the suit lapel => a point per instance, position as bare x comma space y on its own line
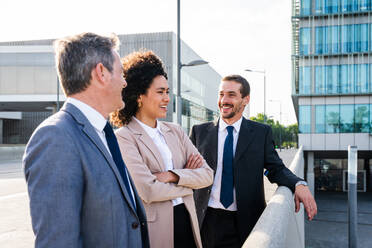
246, 136
89, 130
136, 128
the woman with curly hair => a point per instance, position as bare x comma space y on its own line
164, 164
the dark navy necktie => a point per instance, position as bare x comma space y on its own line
227, 181
116, 155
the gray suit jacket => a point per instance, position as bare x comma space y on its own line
77, 196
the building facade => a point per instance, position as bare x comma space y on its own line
30, 91
332, 88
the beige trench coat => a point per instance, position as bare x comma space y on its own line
143, 158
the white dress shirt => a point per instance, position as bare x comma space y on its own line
99, 123
214, 199
158, 138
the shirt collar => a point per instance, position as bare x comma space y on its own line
236, 125
151, 131
93, 116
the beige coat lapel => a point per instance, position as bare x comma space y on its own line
144, 138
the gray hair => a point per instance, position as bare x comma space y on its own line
76, 56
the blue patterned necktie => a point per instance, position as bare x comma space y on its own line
227, 181
116, 155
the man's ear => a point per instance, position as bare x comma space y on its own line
246, 99
100, 73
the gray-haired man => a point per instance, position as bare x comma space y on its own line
80, 192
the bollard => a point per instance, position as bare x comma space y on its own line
352, 195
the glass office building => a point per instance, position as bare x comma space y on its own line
29, 84
332, 87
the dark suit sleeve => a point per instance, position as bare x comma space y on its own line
193, 136
54, 178
277, 172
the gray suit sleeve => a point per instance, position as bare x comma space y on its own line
54, 178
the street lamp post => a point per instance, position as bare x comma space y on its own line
180, 65
280, 122
264, 73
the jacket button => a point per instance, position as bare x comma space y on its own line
209, 191
135, 225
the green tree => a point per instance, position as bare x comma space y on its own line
282, 135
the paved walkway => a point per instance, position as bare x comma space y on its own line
15, 224
330, 226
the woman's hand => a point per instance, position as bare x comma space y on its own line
195, 161
166, 177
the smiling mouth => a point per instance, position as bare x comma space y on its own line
226, 106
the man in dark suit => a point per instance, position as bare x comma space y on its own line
81, 194
239, 150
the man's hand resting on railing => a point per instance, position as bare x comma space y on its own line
303, 194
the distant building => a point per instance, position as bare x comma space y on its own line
29, 84
332, 90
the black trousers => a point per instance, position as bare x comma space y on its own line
183, 237
219, 229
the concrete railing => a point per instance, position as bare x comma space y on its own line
11, 152
279, 226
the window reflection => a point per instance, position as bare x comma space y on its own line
305, 39
362, 115
344, 118
320, 118
335, 79
304, 119
347, 118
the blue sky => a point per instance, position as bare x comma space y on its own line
232, 35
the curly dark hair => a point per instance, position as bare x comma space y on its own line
140, 68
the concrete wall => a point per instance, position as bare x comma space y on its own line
11, 152
279, 226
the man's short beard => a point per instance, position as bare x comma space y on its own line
233, 112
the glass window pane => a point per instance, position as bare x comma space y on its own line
345, 84
320, 118
319, 6
347, 38
364, 5
335, 43
370, 118
364, 37
305, 7
346, 5
332, 118
319, 40
361, 78
305, 80
351, 77
357, 38
320, 76
304, 119
362, 113
331, 6
347, 118
305, 38
332, 79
